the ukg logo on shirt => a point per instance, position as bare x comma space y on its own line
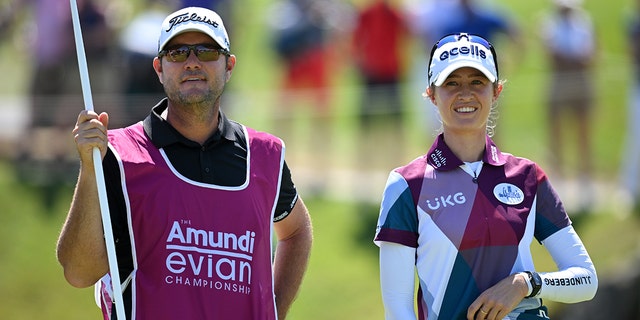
446, 201
210, 259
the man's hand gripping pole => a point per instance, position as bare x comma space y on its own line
97, 163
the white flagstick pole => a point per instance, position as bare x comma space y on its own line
97, 163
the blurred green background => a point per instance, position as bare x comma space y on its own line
342, 279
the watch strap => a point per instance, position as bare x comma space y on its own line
536, 283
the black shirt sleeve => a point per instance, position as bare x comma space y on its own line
288, 195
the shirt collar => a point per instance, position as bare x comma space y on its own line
442, 158
163, 134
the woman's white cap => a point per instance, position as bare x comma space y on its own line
461, 50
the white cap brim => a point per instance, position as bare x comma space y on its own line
444, 74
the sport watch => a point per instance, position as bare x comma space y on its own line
536, 283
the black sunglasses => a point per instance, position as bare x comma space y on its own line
204, 52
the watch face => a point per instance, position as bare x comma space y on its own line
536, 279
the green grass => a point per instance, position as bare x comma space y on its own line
31, 282
342, 279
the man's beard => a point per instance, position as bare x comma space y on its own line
198, 99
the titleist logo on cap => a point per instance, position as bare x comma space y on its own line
185, 17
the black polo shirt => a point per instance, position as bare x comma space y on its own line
221, 160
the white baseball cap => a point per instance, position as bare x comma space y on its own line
460, 50
194, 19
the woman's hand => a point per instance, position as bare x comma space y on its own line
498, 301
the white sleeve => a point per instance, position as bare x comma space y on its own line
576, 278
397, 280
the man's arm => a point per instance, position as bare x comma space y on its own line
81, 248
292, 255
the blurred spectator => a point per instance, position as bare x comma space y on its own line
470, 17
300, 40
45, 155
630, 174
380, 47
429, 18
379, 43
569, 38
139, 44
211, 4
55, 72
308, 37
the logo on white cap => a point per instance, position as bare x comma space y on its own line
194, 19
464, 52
